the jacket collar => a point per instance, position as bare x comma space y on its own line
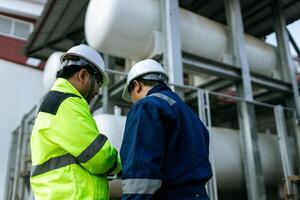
63, 85
158, 88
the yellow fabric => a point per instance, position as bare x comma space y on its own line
71, 130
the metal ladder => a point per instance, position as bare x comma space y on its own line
17, 180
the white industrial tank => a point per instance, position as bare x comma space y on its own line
128, 29
226, 148
51, 68
228, 159
113, 127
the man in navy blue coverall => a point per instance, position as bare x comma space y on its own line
165, 146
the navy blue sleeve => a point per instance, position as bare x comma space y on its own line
142, 152
137, 197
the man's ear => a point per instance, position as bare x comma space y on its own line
140, 86
137, 86
82, 75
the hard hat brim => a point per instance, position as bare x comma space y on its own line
126, 95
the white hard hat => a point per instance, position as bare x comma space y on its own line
140, 69
90, 55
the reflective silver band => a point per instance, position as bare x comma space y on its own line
140, 186
115, 165
52, 164
67, 159
92, 149
164, 97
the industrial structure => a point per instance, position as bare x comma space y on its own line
245, 90
21, 76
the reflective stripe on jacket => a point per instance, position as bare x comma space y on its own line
165, 149
70, 159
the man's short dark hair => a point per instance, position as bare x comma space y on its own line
150, 83
68, 71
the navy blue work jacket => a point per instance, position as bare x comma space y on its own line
165, 149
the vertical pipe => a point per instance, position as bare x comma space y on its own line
246, 112
172, 41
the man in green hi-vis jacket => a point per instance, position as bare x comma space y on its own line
70, 158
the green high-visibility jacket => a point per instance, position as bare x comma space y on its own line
70, 158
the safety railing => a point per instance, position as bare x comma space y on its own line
216, 110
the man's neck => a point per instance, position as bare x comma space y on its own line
75, 84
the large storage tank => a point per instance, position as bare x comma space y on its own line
113, 127
226, 148
51, 67
131, 29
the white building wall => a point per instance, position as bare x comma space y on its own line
25, 8
20, 89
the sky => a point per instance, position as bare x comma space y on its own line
294, 29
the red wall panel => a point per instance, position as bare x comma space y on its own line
11, 49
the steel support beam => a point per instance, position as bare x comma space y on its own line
288, 70
246, 111
227, 71
217, 84
296, 136
283, 146
211, 67
107, 106
294, 43
172, 41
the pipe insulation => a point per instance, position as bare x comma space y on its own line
132, 29
226, 150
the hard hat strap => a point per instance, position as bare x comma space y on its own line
92, 86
